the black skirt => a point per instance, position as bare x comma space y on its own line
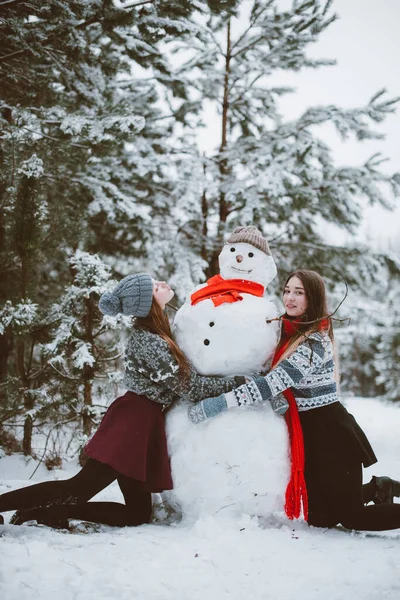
335, 434
335, 449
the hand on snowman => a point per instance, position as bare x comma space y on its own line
247, 394
210, 407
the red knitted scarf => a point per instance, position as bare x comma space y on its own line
296, 491
221, 290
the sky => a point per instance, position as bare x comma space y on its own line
365, 43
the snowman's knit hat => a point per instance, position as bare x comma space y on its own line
249, 235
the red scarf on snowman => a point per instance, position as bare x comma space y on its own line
296, 491
221, 290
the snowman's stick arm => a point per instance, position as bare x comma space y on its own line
173, 307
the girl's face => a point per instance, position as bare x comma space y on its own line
294, 298
162, 293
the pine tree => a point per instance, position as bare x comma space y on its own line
370, 345
72, 100
80, 352
278, 175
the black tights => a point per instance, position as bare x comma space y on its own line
338, 496
58, 500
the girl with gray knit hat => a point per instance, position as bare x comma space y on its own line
130, 444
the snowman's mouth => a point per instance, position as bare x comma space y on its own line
242, 270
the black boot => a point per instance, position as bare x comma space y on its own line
386, 490
38, 515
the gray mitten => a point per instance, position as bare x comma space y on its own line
210, 407
279, 404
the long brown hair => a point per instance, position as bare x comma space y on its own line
157, 322
317, 308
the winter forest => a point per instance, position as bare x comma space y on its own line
102, 175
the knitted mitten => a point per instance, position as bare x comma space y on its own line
210, 407
279, 404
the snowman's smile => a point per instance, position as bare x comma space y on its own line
242, 270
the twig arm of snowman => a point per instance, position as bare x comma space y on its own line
308, 357
150, 356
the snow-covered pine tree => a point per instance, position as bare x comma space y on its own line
69, 100
276, 174
370, 344
81, 356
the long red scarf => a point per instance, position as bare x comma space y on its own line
221, 290
296, 490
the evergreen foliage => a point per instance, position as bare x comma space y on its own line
100, 105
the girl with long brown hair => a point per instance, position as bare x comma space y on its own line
130, 444
328, 447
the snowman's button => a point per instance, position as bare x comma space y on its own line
212, 324
206, 342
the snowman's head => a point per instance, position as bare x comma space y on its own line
244, 261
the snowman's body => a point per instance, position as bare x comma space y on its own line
228, 339
236, 462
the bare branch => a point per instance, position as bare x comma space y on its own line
63, 375
7, 2
47, 441
252, 23
137, 4
49, 137
12, 55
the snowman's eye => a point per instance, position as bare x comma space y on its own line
251, 254
233, 250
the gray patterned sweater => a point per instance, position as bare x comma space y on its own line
151, 370
308, 372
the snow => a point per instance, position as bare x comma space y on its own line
32, 168
244, 454
21, 315
215, 556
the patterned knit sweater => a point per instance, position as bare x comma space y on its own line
151, 370
308, 372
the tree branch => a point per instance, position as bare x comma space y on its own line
47, 441
252, 23
7, 2
63, 375
49, 137
12, 55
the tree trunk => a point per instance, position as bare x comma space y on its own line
88, 371
27, 399
204, 214
222, 163
27, 441
87, 399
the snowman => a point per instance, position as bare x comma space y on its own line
225, 327
236, 463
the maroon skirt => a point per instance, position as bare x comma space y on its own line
131, 439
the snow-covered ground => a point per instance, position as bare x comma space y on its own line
215, 557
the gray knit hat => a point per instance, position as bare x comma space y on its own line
249, 235
132, 297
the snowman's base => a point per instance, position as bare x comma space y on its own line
236, 463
